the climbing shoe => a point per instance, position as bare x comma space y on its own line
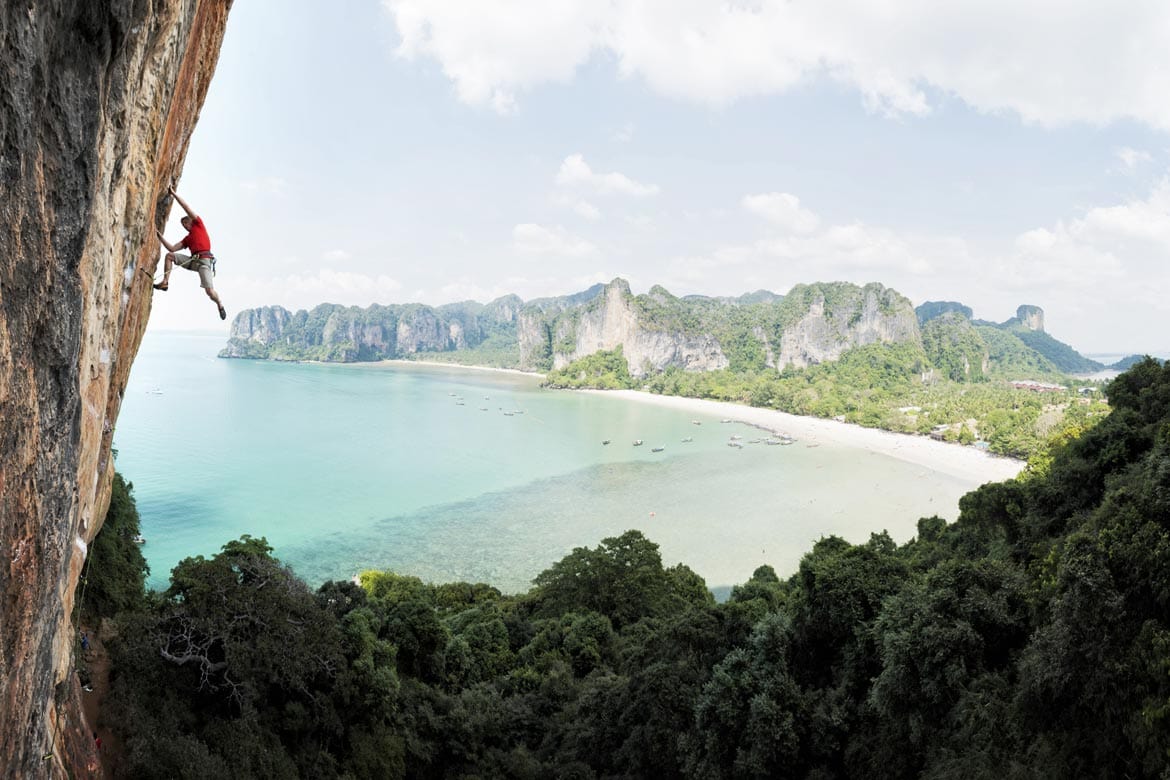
222, 313
162, 286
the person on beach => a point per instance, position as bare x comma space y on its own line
200, 258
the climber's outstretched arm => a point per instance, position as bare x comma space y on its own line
183, 203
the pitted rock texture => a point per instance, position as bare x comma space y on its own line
1031, 317
656, 331
348, 333
812, 324
98, 100
647, 350
872, 314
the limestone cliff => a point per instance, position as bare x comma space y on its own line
931, 309
821, 321
349, 333
617, 317
1031, 317
812, 324
98, 100
955, 347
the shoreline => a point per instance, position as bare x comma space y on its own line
428, 364
438, 364
955, 460
952, 459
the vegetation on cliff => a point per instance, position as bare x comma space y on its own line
1130, 361
117, 582
1029, 638
955, 348
475, 332
335, 333
1061, 355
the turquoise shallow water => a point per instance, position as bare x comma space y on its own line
455, 474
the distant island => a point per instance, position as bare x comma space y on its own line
812, 324
860, 354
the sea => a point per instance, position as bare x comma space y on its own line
455, 474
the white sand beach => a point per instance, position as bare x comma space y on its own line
440, 364
966, 463
955, 460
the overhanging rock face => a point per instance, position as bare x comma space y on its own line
98, 100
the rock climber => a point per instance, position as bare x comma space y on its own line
200, 260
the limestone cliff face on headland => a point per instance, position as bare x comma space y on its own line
347, 333
615, 318
97, 105
812, 324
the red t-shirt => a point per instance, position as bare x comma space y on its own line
196, 239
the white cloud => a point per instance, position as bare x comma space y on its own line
296, 291
1131, 158
1136, 221
1103, 278
493, 49
854, 251
537, 239
576, 172
1056, 260
587, 210
1101, 253
467, 289
336, 256
304, 291
342, 286
579, 206
782, 210
1046, 60
624, 134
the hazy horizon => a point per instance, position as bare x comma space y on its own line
1120, 353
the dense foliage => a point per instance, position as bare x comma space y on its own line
881, 386
928, 310
955, 348
1064, 357
1130, 361
604, 369
1031, 638
114, 579
1011, 358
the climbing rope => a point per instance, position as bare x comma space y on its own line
84, 582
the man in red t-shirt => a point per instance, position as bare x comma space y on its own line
200, 260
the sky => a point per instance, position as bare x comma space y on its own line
995, 153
